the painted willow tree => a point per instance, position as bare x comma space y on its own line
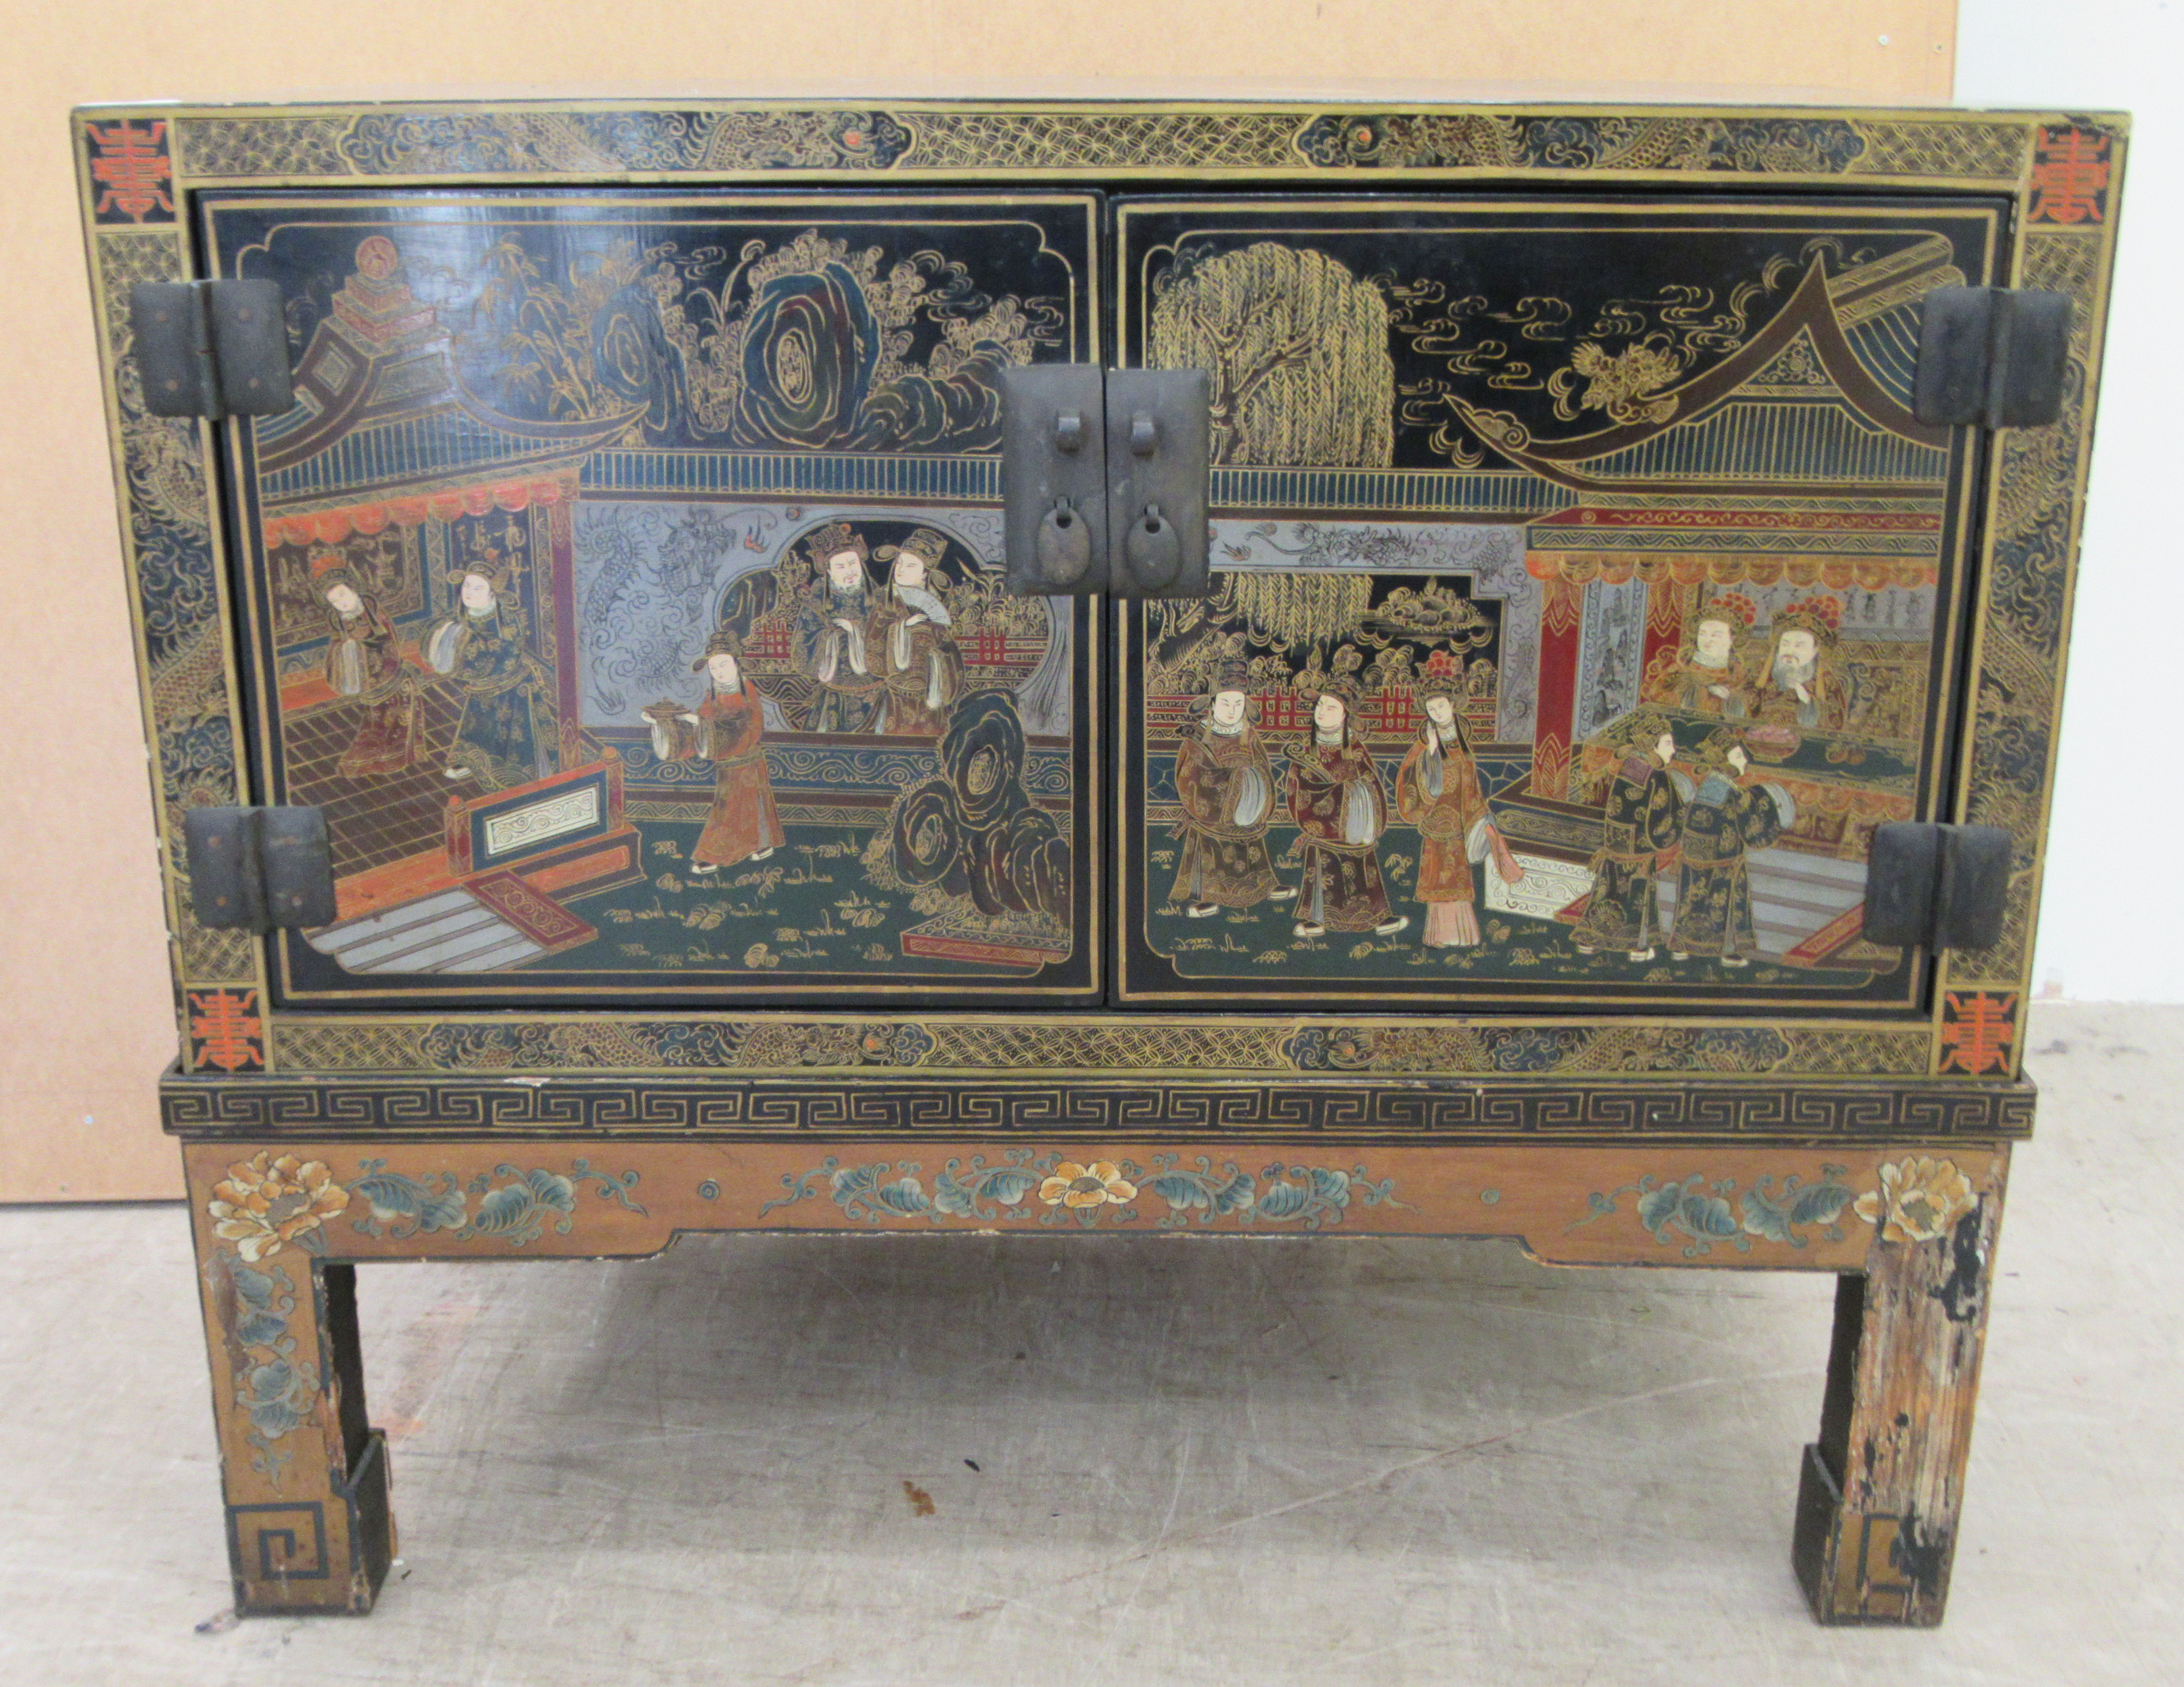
1298, 350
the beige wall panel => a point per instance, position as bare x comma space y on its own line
87, 1021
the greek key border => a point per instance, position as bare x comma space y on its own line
195, 1107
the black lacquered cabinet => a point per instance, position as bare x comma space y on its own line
616, 779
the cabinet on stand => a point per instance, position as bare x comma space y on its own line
1205, 670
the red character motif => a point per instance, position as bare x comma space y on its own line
2070, 177
132, 170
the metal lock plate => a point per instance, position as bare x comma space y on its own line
1991, 357
1159, 445
212, 349
1054, 480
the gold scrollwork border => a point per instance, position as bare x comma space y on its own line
170, 531
982, 1046
536, 140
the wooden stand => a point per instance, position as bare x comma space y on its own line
1880, 1494
309, 1527
282, 1224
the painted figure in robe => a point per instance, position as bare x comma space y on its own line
1645, 808
1341, 807
1437, 791
918, 657
728, 729
365, 663
1724, 821
1706, 676
1224, 779
1799, 686
505, 735
833, 643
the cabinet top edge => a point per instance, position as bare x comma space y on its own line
1768, 143
1771, 103
158, 149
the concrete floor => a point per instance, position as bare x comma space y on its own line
1377, 1461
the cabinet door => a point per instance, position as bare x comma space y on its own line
1585, 593
625, 587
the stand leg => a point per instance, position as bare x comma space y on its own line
1880, 1494
309, 1528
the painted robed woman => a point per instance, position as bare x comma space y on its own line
1707, 676
1638, 831
1224, 779
1340, 808
918, 656
365, 664
1437, 790
728, 730
505, 735
1723, 823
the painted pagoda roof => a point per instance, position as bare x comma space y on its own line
382, 408
1816, 404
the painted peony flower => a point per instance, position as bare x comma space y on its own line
1919, 1201
1087, 1186
263, 1203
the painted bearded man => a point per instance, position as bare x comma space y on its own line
1224, 779
1799, 685
1340, 808
833, 644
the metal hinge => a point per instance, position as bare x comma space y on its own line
1991, 357
254, 869
1105, 480
1941, 887
212, 349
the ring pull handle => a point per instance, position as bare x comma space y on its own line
1154, 550
1065, 545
